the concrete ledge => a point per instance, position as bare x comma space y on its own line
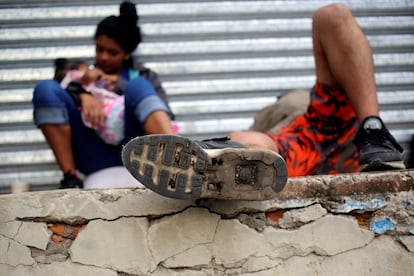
348, 184
360, 224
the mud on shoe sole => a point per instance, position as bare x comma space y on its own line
177, 167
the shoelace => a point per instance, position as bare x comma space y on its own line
378, 137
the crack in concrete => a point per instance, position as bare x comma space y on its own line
169, 214
7, 221
96, 266
19, 265
149, 247
12, 239
18, 230
161, 263
8, 246
74, 221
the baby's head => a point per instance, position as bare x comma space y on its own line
63, 65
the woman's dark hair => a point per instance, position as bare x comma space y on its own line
123, 29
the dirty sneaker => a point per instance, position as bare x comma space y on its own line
378, 149
181, 168
71, 181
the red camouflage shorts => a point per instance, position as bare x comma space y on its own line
320, 141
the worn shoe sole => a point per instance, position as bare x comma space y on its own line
178, 167
376, 165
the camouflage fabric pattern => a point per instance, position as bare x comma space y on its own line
320, 140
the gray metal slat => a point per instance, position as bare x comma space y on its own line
27, 157
384, 97
232, 85
50, 13
15, 95
250, 46
51, 177
199, 28
266, 83
264, 64
200, 9
21, 136
16, 116
256, 45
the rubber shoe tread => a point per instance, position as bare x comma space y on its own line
178, 167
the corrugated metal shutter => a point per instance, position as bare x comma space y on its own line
220, 62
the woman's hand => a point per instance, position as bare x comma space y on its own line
92, 75
92, 110
101, 79
110, 81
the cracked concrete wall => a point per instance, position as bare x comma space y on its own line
137, 232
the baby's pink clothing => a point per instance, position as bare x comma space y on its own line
111, 130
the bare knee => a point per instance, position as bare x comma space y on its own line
254, 139
331, 16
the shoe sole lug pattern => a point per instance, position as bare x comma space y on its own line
179, 168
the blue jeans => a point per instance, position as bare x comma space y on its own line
54, 105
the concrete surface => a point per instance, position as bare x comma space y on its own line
137, 232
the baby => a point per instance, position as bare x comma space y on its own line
76, 73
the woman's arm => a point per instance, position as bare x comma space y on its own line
158, 122
92, 109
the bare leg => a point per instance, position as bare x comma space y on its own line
59, 139
158, 122
254, 139
343, 58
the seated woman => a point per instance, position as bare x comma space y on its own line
77, 77
78, 148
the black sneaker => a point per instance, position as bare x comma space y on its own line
181, 168
378, 150
71, 181
410, 160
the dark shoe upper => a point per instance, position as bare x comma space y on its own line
71, 181
219, 143
376, 144
410, 161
